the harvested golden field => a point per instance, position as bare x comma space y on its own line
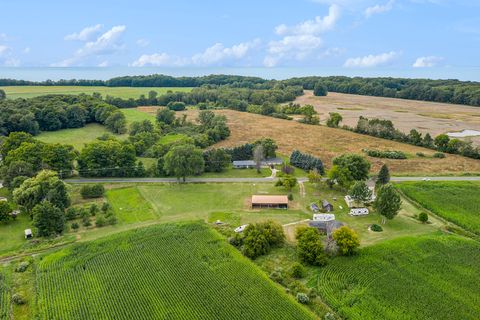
328, 143
432, 117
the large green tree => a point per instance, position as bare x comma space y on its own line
45, 186
334, 120
360, 192
184, 160
6, 209
320, 89
358, 166
216, 160
309, 246
388, 202
347, 240
48, 219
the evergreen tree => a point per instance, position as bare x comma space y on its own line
383, 175
388, 202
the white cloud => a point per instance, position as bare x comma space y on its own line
214, 55
107, 43
219, 53
85, 34
427, 62
156, 59
3, 37
4, 50
143, 42
104, 64
301, 40
379, 8
312, 27
371, 60
26, 50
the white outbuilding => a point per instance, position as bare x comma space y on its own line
359, 212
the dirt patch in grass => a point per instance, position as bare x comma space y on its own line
432, 117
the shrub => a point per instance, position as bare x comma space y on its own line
93, 209
439, 155
290, 196
111, 219
22, 267
105, 207
420, 154
376, 228
100, 221
75, 226
385, 154
176, 106
297, 271
92, 191
329, 316
71, 213
18, 299
86, 222
423, 217
302, 298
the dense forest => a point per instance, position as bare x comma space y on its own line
448, 91
55, 112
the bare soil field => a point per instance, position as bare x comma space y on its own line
328, 143
432, 117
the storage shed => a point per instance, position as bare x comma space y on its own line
267, 201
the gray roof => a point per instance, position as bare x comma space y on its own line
273, 161
325, 203
244, 163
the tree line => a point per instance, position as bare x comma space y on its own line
55, 112
447, 91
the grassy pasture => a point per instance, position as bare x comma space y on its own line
428, 277
121, 92
173, 271
458, 202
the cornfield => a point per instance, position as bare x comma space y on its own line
173, 271
429, 277
5, 295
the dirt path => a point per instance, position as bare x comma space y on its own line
301, 186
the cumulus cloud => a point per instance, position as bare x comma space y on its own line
85, 34
379, 8
26, 50
427, 62
312, 27
107, 43
214, 55
4, 50
300, 40
6, 57
371, 60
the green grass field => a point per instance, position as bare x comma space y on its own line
458, 202
187, 202
132, 114
176, 271
76, 137
14, 92
428, 277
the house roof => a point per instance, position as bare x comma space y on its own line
260, 199
325, 203
244, 163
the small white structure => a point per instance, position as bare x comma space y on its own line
28, 233
359, 212
3, 199
323, 217
241, 228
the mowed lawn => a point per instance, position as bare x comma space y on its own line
187, 202
77, 137
458, 202
121, 92
427, 277
172, 271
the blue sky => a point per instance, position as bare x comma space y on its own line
343, 34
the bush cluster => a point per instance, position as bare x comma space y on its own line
385, 154
92, 191
306, 162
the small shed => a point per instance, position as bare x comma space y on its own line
327, 206
359, 211
267, 201
28, 233
314, 207
243, 164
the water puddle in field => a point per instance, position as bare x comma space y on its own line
464, 133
